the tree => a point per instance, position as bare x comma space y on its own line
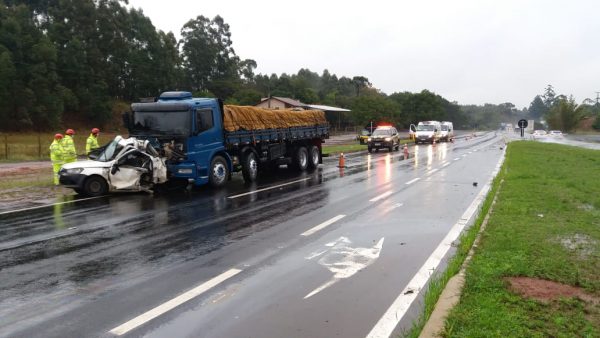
537, 108
360, 82
376, 108
549, 96
565, 114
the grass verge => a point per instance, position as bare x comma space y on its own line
544, 225
438, 282
343, 148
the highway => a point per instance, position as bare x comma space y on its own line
335, 252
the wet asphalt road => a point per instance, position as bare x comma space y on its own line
84, 269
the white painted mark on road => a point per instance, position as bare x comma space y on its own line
446, 164
397, 205
268, 188
464, 155
173, 303
456, 159
322, 225
344, 261
432, 171
384, 195
50, 205
412, 181
386, 324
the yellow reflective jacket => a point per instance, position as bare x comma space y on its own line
91, 143
68, 146
56, 151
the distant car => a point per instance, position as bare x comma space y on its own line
555, 133
364, 136
384, 137
539, 133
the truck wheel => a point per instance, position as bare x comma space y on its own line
301, 158
313, 157
249, 167
218, 172
95, 186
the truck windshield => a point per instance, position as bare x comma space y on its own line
163, 123
425, 127
109, 152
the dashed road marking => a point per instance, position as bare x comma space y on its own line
384, 195
173, 303
322, 225
412, 181
51, 205
432, 171
268, 188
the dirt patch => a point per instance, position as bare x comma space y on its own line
546, 291
581, 244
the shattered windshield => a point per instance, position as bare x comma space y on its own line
163, 123
109, 153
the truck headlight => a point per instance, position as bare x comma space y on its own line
185, 171
72, 171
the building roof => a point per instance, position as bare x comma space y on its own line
326, 108
286, 100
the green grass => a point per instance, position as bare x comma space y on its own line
550, 192
343, 148
34, 146
438, 282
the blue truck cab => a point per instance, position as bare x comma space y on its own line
189, 133
187, 130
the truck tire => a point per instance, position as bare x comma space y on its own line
249, 167
314, 155
300, 158
218, 173
95, 186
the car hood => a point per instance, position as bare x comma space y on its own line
87, 164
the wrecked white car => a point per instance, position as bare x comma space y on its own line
125, 164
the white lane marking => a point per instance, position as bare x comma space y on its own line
397, 205
412, 181
173, 303
432, 171
269, 188
464, 155
456, 159
446, 164
384, 195
390, 319
50, 205
322, 225
344, 261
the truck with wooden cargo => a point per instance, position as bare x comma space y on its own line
179, 139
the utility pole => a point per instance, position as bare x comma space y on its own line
597, 98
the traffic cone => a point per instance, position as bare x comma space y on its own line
406, 152
342, 162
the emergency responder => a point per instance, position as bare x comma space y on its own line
92, 141
69, 152
56, 155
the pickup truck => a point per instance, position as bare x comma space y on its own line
199, 141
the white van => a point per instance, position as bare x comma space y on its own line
428, 131
447, 131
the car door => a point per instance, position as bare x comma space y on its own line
127, 171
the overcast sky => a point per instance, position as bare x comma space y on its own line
469, 51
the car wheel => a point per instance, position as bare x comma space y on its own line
249, 167
219, 172
95, 186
